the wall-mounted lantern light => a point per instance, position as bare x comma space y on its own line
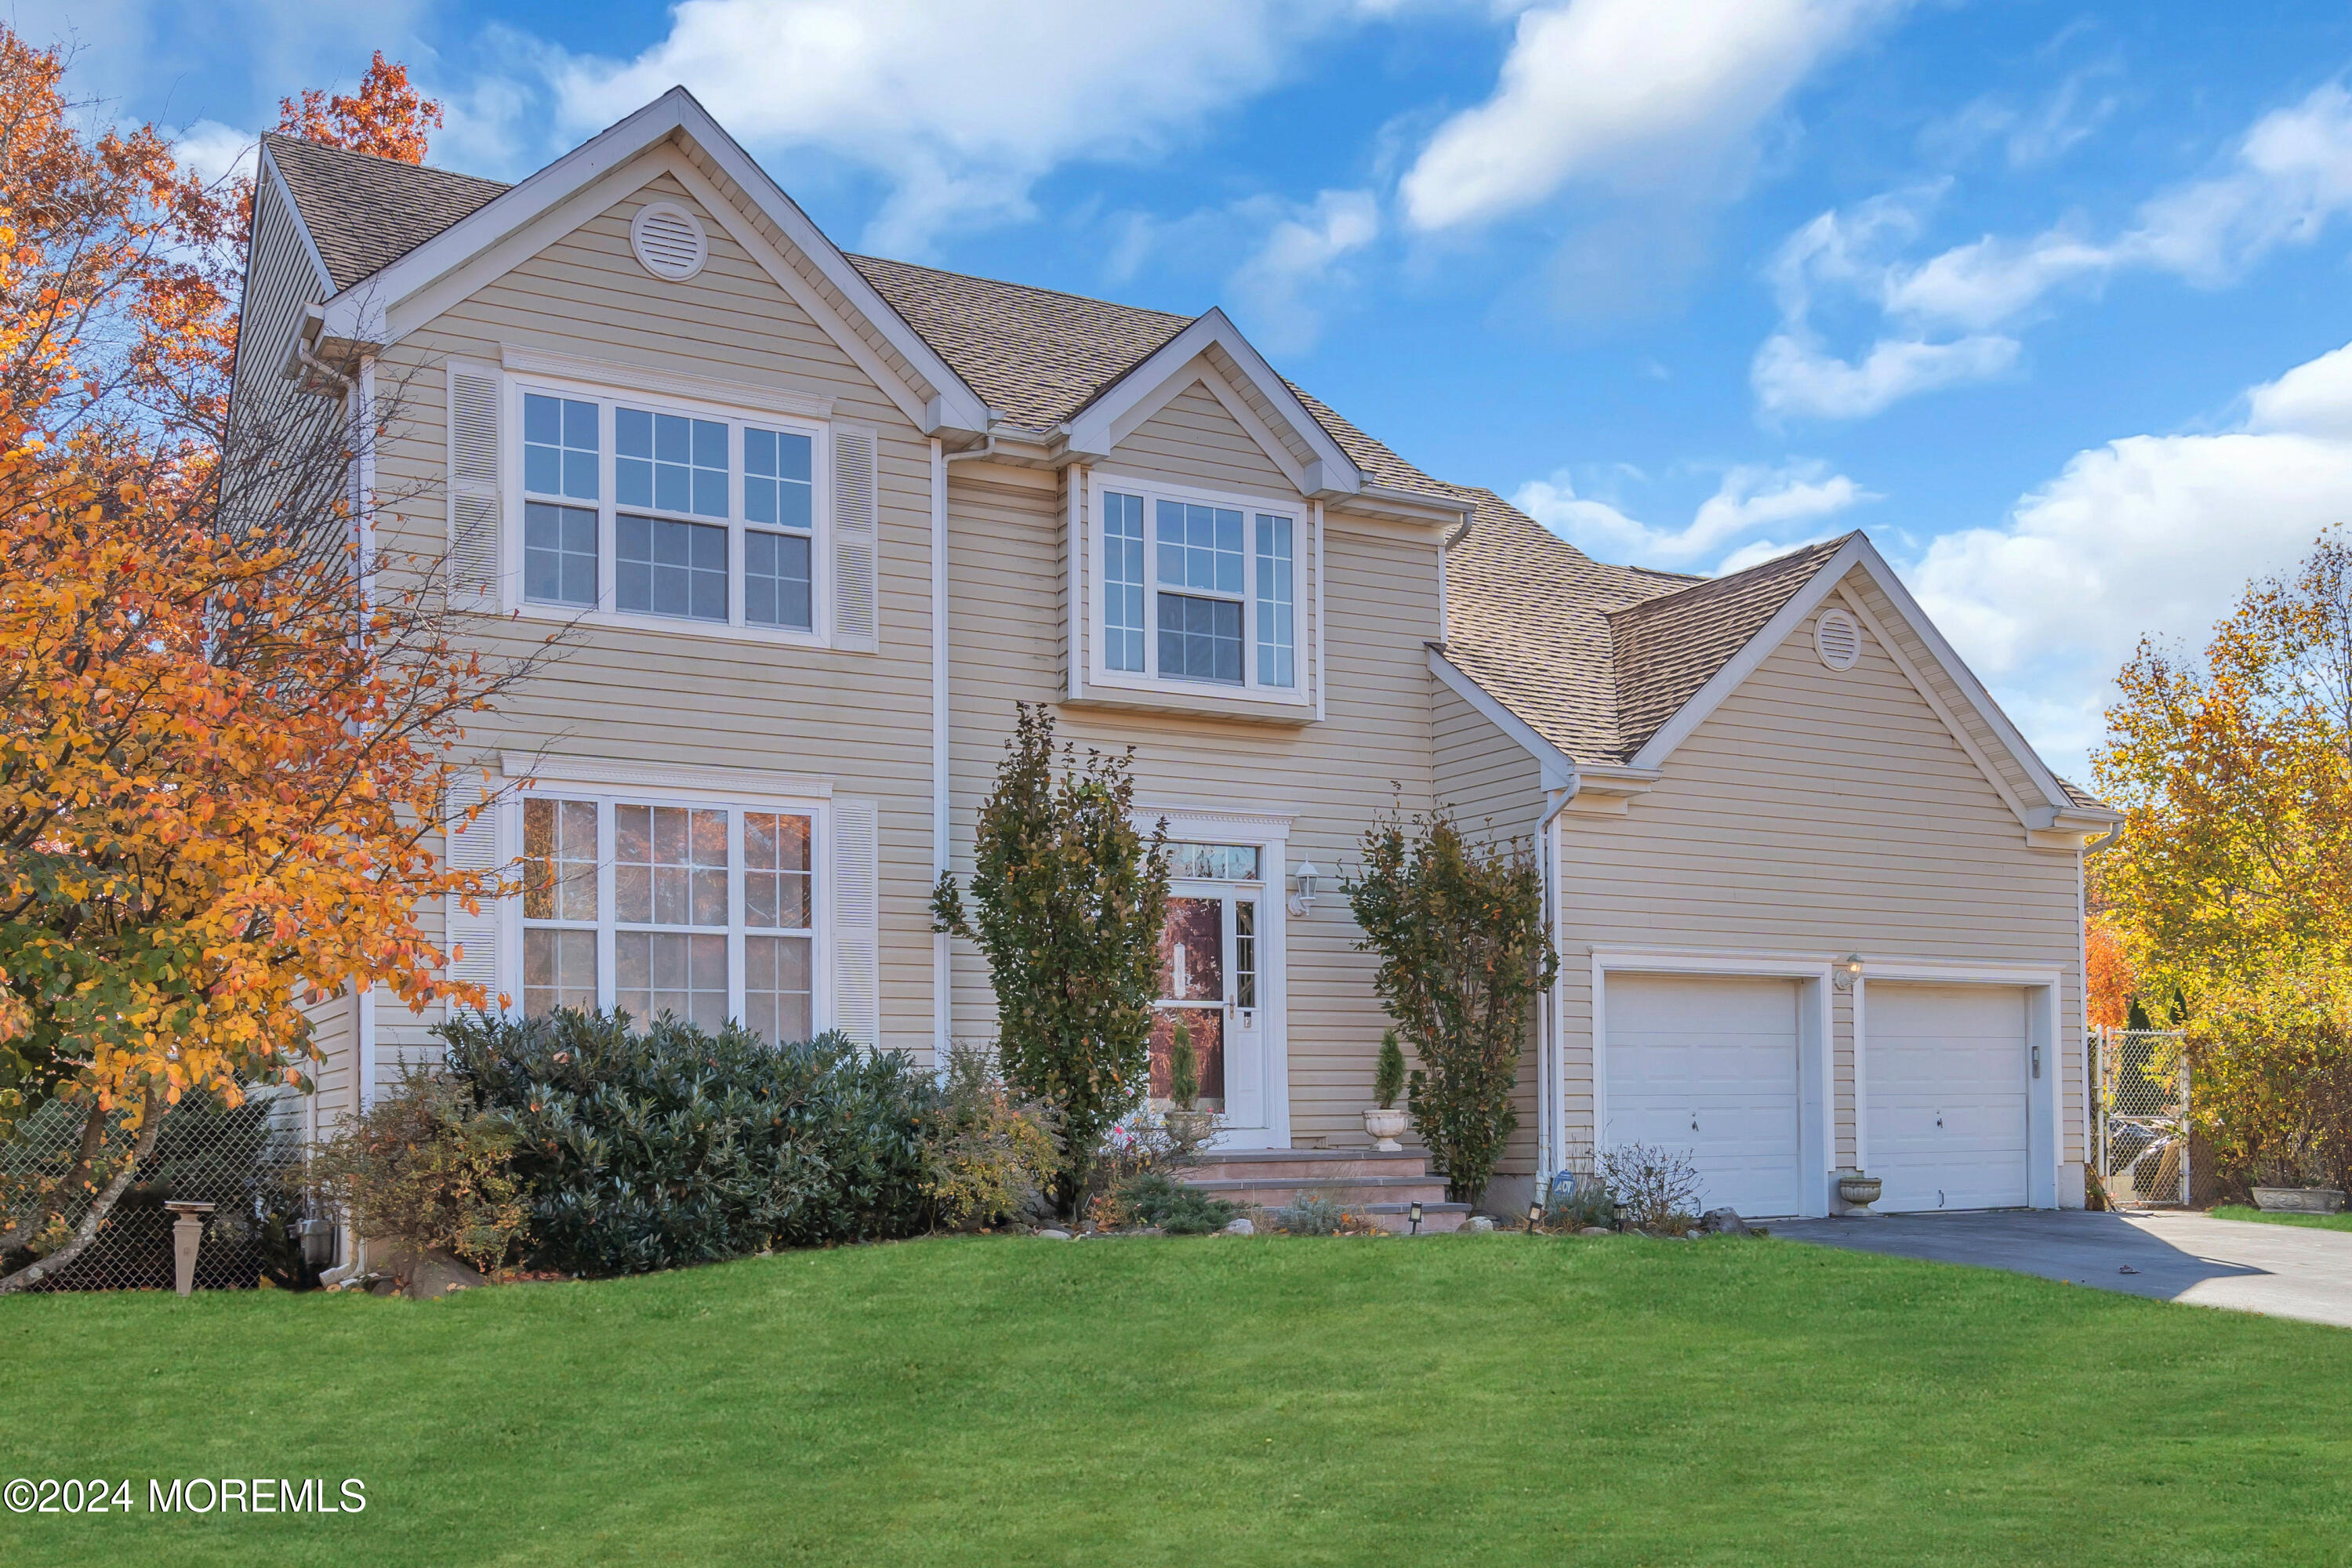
1846, 971
1306, 877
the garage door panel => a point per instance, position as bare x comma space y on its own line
1708, 1066
1946, 1076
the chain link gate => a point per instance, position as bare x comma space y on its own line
245, 1160
2142, 1128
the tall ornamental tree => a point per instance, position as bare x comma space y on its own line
224, 744
1463, 951
1069, 899
2231, 888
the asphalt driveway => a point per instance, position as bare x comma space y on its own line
2286, 1271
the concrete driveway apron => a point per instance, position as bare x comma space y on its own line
2286, 1271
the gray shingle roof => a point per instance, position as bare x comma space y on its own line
1597, 658
364, 213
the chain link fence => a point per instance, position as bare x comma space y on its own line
2143, 1121
245, 1160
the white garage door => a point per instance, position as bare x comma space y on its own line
1709, 1065
1946, 1074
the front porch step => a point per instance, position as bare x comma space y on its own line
1303, 1164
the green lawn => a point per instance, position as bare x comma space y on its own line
1482, 1400
2265, 1216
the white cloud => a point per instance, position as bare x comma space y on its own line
1751, 497
215, 151
1636, 93
962, 112
1290, 280
1949, 319
2146, 536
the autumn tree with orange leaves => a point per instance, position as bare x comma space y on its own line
225, 739
2231, 888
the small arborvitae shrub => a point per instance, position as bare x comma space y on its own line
1179, 1209
651, 1147
1388, 1073
1183, 1066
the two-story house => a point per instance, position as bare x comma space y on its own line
817, 521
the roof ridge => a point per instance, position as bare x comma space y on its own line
1657, 601
312, 143
854, 257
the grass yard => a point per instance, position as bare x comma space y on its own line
1494, 1400
2265, 1216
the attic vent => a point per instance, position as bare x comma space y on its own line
1837, 639
668, 241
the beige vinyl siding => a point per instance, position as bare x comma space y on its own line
1195, 441
1006, 637
1818, 811
676, 699
280, 281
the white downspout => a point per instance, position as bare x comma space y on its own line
943, 1000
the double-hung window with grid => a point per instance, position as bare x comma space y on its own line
708, 912
669, 515
1197, 592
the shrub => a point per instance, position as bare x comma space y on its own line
1463, 951
1069, 899
1183, 1065
1157, 1198
985, 1150
424, 1168
1657, 1185
1388, 1073
652, 1148
1309, 1214
1583, 1199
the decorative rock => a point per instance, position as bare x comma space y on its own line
1480, 1222
1596, 1230
1241, 1228
1054, 1235
1722, 1222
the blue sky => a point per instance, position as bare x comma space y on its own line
2043, 296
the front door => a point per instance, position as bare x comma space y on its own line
1213, 980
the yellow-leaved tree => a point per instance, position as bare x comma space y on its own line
224, 738
2233, 885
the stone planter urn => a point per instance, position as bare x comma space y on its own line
1384, 1125
188, 1236
1859, 1190
1191, 1128
2299, 1200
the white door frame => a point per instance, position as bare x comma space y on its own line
1816, 1092
1270, 832
2044, 1093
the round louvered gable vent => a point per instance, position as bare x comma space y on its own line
669, 243
1837, 639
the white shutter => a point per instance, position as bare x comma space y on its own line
856, 923
474, 544
471, 940
855, 543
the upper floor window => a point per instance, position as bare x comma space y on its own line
641, 511
1199, 591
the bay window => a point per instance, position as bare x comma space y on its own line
667, 515
705, 912
1197, 592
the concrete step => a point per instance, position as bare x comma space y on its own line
1274, 1192
1303, 1164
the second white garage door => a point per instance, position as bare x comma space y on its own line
1946, 1074
1709, 1065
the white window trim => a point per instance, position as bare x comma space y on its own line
611, 394
1303, 537
817, 809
